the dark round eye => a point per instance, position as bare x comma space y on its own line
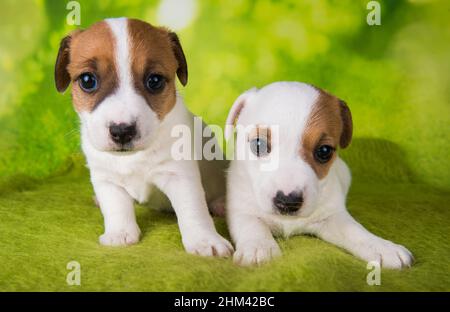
88, 82
155, 83
323, 153
259, 146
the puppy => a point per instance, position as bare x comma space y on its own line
123, 74
306, 191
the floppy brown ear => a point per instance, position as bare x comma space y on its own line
347, 125
62, 77
182, 71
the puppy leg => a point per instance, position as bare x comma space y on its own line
197, 229
342, 230
253, 238
118, 212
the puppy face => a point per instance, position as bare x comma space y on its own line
310, 125
123, 80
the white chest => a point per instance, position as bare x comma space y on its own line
139, 186
134, 173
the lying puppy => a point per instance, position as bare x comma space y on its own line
307, 190
123, 73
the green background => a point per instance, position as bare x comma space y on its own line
394, 77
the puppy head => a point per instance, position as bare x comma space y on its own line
123, 74
299, 125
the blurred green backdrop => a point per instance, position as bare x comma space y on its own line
395, 78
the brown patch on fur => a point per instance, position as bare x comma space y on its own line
330, 123
91, 50
154, 50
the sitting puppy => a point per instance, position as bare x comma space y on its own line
306, 191
123, 73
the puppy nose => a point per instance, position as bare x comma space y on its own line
122, 133
288, 204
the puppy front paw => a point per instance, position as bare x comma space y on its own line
207, 245
256, 252
387, 253
123, 237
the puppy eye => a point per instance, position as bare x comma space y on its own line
259, 146
155, 83
323, 153
88, 82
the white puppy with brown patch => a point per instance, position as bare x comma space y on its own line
123, 73
306, 191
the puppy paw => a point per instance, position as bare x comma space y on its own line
123, 237
256, 252
387, 253
207, 245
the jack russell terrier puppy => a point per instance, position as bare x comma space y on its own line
123, 74
306, 192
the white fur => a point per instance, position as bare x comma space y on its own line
121, 178
251, 218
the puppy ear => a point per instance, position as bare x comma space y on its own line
182, 71
62, 77
347, 125
235, 110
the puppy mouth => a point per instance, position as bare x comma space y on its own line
129, 148
123, 149
286, 213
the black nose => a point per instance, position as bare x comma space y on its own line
122, 133
288, 204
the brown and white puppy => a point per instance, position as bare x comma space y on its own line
296, 129
123, 74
